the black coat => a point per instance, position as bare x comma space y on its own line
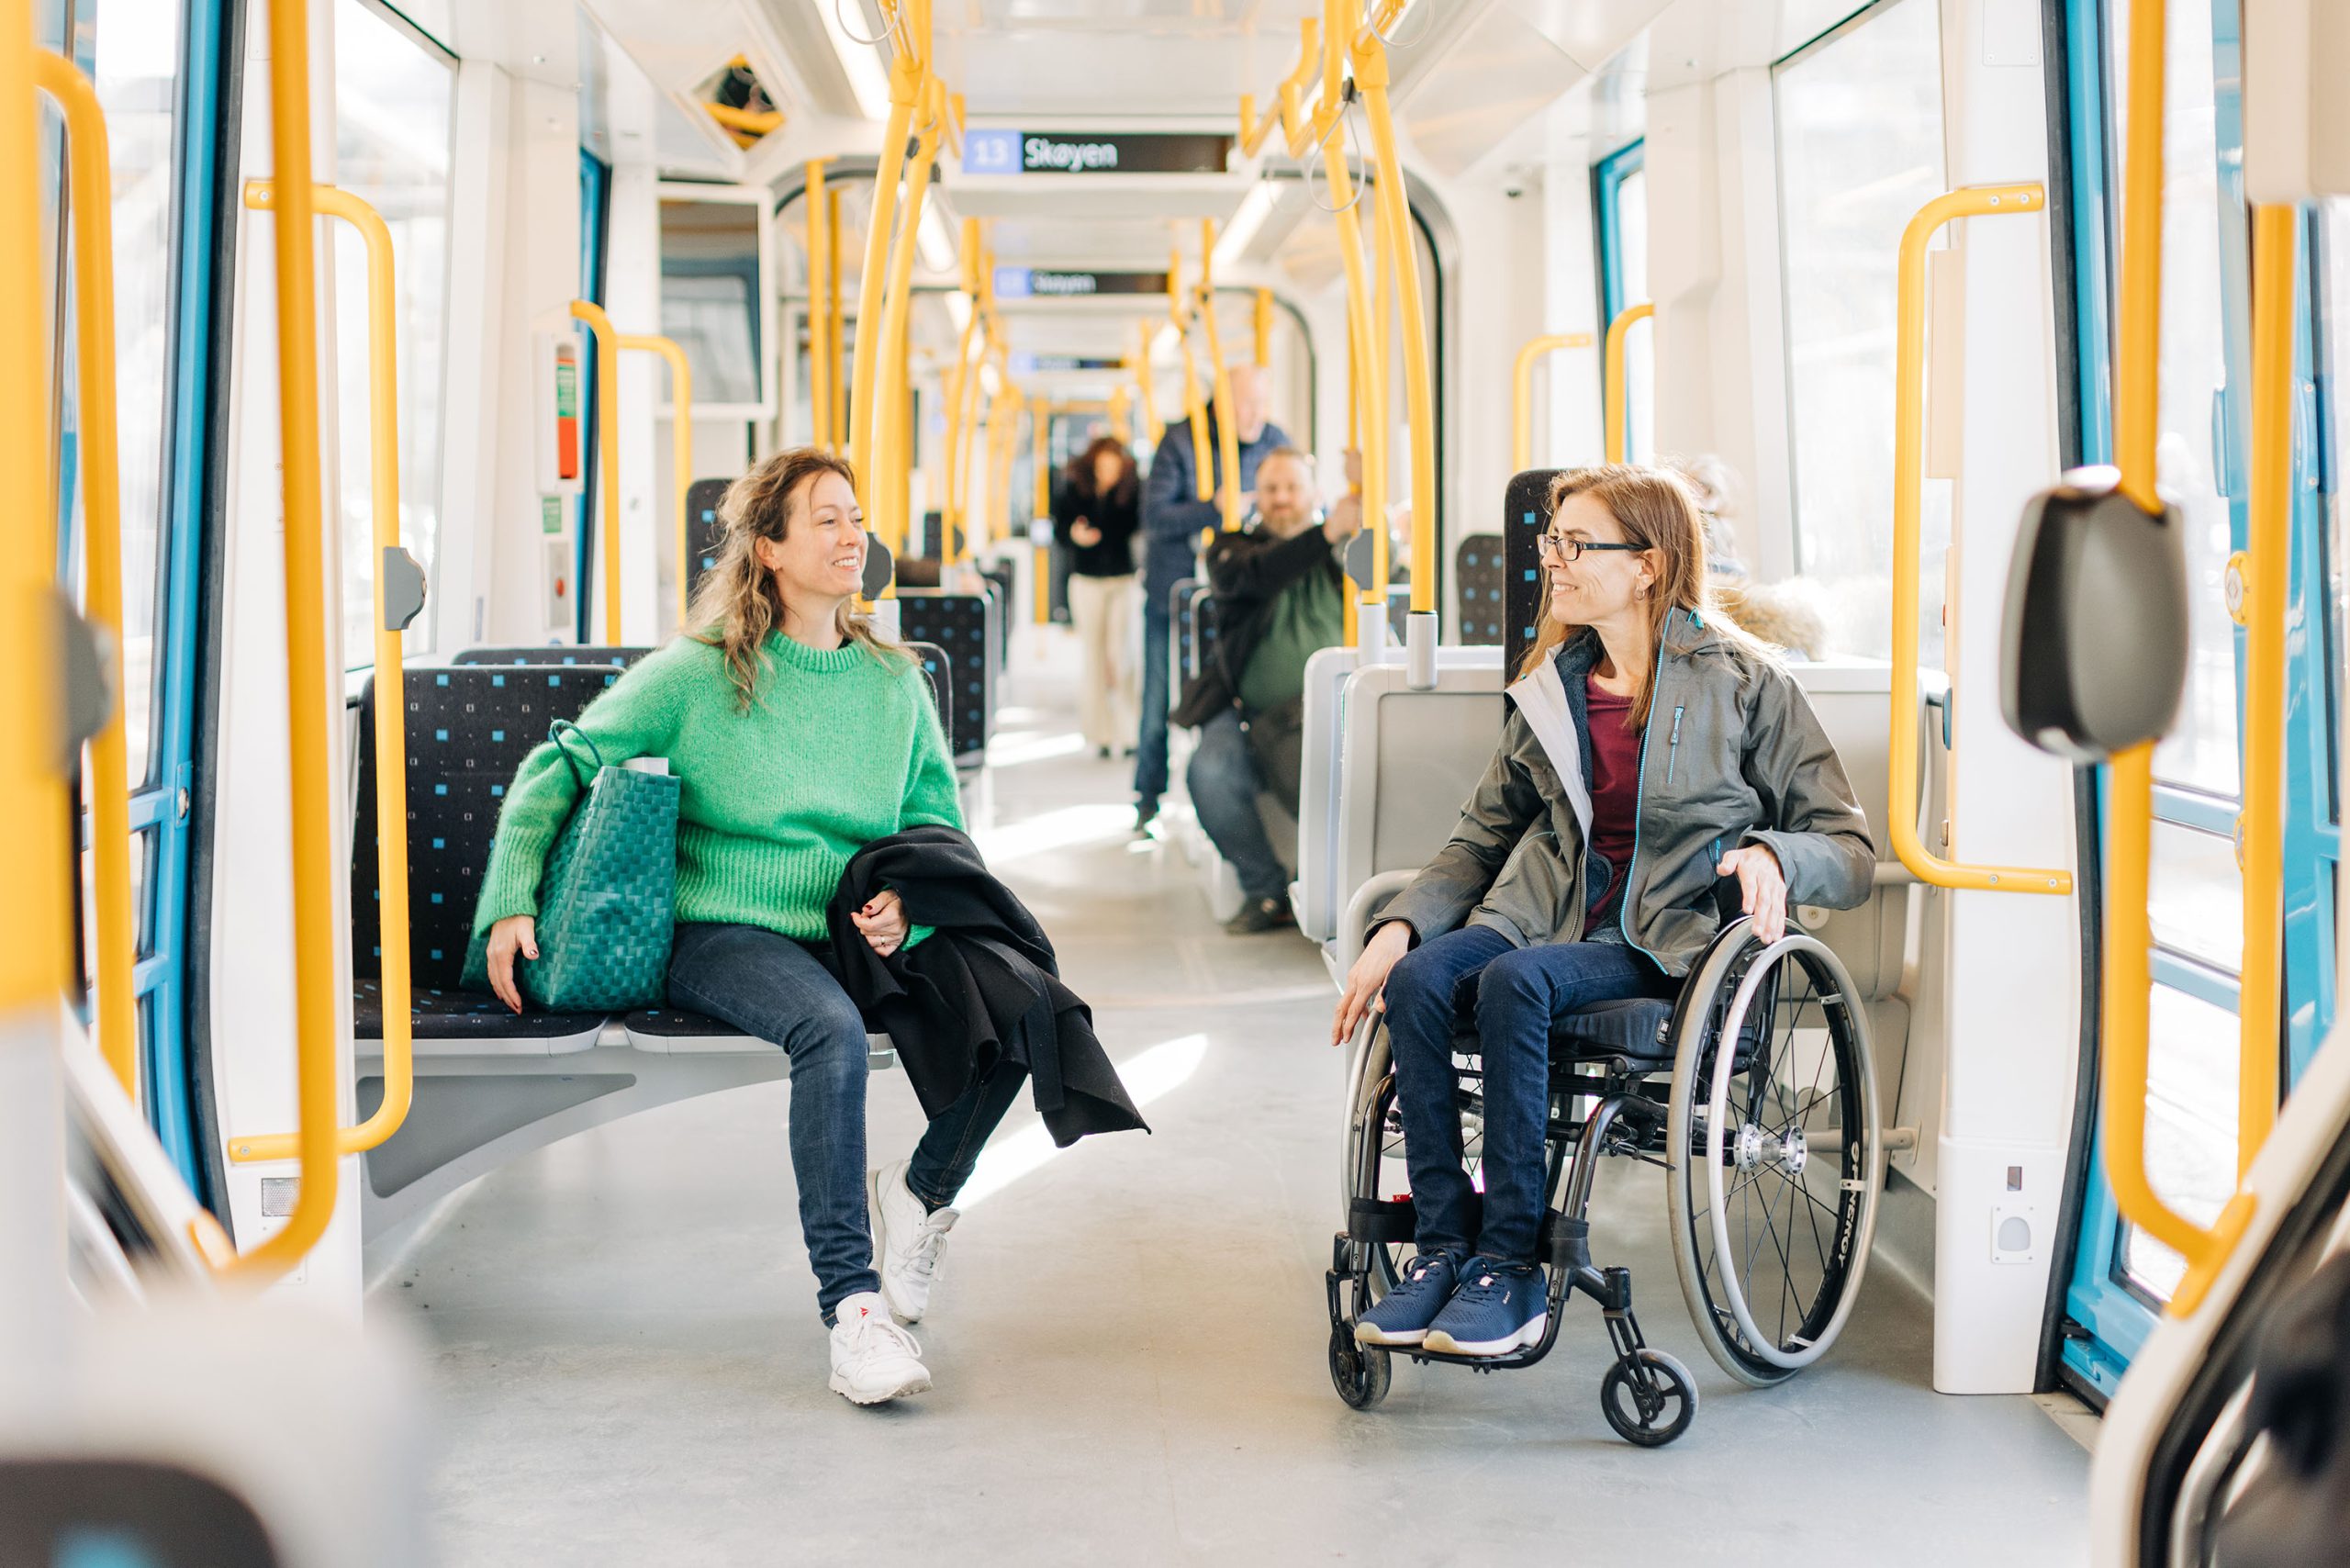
1119, 520
983, 987
1247, 573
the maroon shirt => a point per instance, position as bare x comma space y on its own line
1615, 783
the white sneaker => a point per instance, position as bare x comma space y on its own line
874, 1360
907, 1241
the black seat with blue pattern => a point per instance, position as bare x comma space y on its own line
701, 522
556, 654
961, 624
1482, 574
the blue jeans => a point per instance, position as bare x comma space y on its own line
1150, 744
1516, 993
782, 991
1224, 782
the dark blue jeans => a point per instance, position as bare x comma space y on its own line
1150, 744
1513, 994
786, 991
1223, 781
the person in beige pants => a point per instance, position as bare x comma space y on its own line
1095, 518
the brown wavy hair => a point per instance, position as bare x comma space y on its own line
737, 606
1079, 473
1656, 511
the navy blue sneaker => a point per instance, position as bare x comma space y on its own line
1498, 1307
1403, 1317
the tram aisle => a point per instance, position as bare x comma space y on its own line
1128, 1340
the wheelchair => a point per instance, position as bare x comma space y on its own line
1773, 1161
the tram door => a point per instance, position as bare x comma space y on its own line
2122, 1277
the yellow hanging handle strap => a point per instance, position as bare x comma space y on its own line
391, 701
608, 455
310, 771
109, 775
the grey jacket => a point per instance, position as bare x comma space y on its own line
1733, 755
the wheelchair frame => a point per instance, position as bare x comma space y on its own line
1735, 976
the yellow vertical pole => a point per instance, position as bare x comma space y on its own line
109, 775
1227, 432
1262, 318
310, 771
1202, 481
820, 354
681, 440
835, 328
905, 89
890, 456
608, 452
1367, 384
1370, 79
1143, 388
1614, 387
1040, 421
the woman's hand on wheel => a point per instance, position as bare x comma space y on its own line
1368, 977
1761, 886
516, 932
883, 923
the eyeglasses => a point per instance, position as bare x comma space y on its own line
1566, 548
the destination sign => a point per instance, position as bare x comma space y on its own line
1041, 283
1053, 153
1047, 364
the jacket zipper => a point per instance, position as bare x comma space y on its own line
1673, 747
1639, 802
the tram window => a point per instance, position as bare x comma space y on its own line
2196, 897
2190, 1128
2334, 241
136, 69
394, 126
1860, 128
715, 261
1622, 183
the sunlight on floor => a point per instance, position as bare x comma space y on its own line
1067, 828
1154, 1072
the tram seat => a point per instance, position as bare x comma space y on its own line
1478, 574
674, 1031
964, 626
557, 653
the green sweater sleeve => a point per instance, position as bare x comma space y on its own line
636, 717
931, 799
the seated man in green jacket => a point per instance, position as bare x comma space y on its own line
1278, 596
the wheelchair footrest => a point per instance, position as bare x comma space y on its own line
1373, 1219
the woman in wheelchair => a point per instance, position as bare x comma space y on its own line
1652, 748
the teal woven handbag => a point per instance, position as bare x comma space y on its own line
607, 896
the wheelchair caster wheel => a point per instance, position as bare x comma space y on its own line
1650, 1404
1359, 1373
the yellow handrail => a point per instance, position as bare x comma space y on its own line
885, 489
1261, 320
391, 701
1254, 132
1419, 393
835, 327
1150, 425
1521, 422
2260, 996
608, 454
36, 926
960, 379
1202, 479
754, 123
905, 92
1366, 381
310, 771
681, 442
1040, 425
1614, 388
1227, 430
1122, 427
1908, 481
819, 353
93, 207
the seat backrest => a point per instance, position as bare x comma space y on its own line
939, 666
701, 522
1409, 761
469, 727
1000, 573
963, 625
1526, 512
1478, 574
551, 653
1198, 633
1314, 897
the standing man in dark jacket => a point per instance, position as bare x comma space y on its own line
1173, 516
1279, 597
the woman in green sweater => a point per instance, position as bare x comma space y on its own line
797, 737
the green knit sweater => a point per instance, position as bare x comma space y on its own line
840, 748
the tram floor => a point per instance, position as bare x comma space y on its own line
626, 1366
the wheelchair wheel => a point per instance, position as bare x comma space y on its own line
1773, 1152
1375, 1165
1652, 1405
1361, 1373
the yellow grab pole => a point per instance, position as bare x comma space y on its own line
1613, 386
391, 701
1227, 432
1371, 78
1202, 482
905, 90
681, 439
608, 455
1260, 320
1143, 388
2260, 999
820, 357
1367, 385
36, 924
886, 486
1521, 425
1909, 479
93, 207
310, 771
964, 374
835, 327
1120, 423
1040, 424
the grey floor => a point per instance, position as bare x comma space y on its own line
1129, 1341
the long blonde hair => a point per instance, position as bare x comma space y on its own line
1656, 511
737, 605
